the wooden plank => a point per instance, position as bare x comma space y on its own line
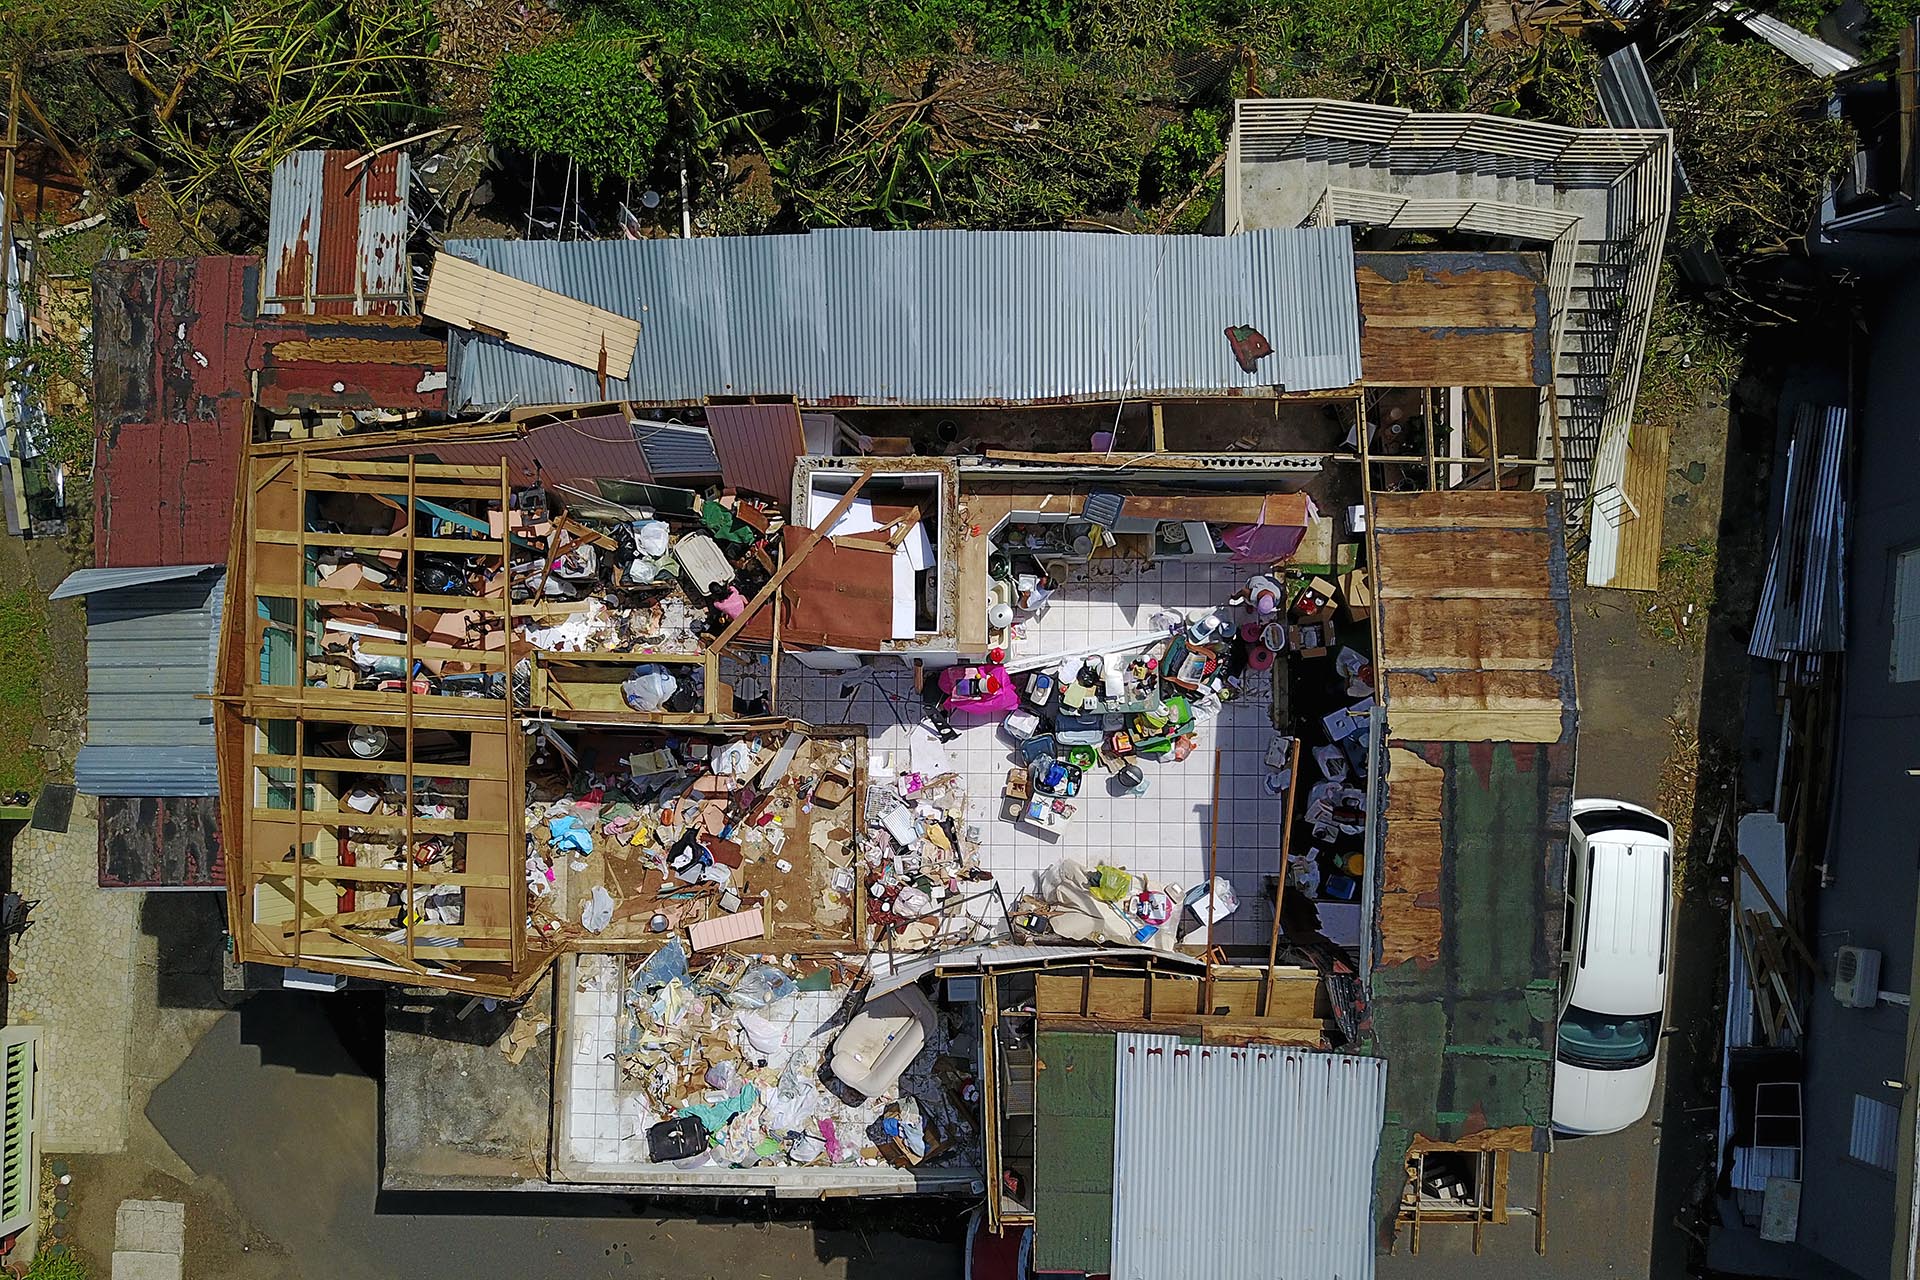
473, 297
1415, 789
395, 599
1414, 850
1464, 632
1280, 889
383, 875
347, 818
1463, 508
470, 492
1502, 564
385, 542
492, 855
435, 653
400, 470
1480, 298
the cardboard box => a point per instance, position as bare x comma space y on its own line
1357, 594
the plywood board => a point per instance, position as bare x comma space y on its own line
1473, 691
1447, 725
1481, 299
1489, 563
1486, 635
970, 599
1437, 358
1461, 508
473, 297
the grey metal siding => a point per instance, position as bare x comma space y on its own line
932, 317
1243, 1163
676, 449
150, 654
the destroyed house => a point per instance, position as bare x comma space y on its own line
927, 711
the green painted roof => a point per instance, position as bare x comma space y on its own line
1073, 1151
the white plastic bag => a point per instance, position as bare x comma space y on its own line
597, 914
649, 688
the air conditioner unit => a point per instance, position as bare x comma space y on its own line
1856, 977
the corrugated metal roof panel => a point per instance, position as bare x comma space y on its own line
150, 654
86, 581
1243, 1163
582, 449
933, 317
757, 445
337, 237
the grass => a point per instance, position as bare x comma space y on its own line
1678, 614
25, 657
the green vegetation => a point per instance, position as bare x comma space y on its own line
1678, 612
588, 98
982, 113
208, 96
47, 1265
25, 655
1757, 142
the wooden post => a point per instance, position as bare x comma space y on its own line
1280, 890
411, 569
1160, 427
1430, 422
6, 186
1213, 859
1540, 1207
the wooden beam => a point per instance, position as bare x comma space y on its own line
397, 599
387, 875
384, 542
411, 569
354, 764
411, 467
790, 563
1280, 889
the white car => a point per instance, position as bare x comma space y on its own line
1618, 938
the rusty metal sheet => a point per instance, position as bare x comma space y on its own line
337, 237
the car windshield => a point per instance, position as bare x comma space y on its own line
1602, 1042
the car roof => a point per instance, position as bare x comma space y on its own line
1627, 897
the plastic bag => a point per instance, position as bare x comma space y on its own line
1114, 884
762, 986
648, 688
662, 967
652, 536
597, 913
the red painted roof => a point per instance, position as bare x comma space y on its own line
170, 409
179, 347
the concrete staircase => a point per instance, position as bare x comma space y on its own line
1287, 155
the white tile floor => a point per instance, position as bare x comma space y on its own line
597, 1129
1164, 834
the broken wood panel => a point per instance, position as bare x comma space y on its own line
1461, 508
1415, 789
473, 297
1486, 635
1494, 563
1408, 931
